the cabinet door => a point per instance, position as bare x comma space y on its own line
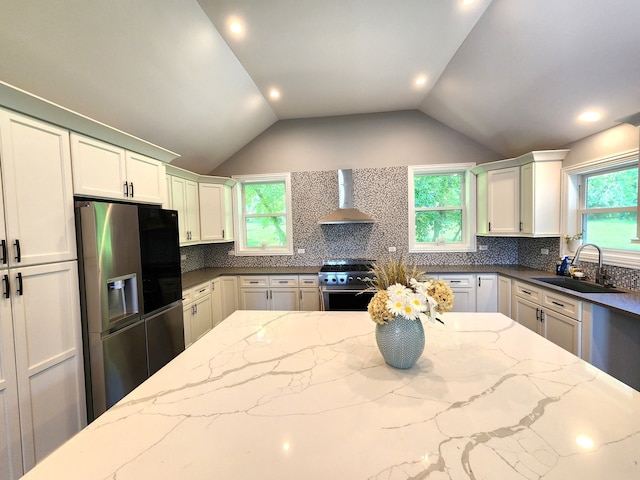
482, 209
540, 198
201, 318
99, 169
38, 191
10, 447
487, 293
229, 295
211, 217
186, 316
309, 299
527, 313
284, 299
215, 213
504, 295
146, 178
464, 292
503, 200
179, 203
563, 331
49, 361
216, 302
192, 205
254, 298
527, 198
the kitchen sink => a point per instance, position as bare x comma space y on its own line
577, 285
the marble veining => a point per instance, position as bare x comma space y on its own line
278, 395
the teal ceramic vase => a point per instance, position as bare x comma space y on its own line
400, 341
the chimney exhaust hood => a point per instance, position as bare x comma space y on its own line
345, 212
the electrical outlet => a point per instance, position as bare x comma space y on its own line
392, 249
483, 247
232, 253
183, 257
544, 251
301, 250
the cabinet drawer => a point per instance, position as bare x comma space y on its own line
200, 290
308, 280
283, 281
562, 304
254, 281
459, 281
187, 296
525, 290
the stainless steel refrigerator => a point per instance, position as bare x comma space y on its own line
131, 296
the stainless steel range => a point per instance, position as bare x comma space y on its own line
341, 284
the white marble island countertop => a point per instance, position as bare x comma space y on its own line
307, 395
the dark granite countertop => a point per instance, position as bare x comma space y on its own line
626, 303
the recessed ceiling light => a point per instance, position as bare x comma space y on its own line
274, 93
466, 3
589, 116
421, 80
236, 27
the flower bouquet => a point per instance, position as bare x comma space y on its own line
404, 296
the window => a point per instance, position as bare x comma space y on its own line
264, 215
608, 210
441, 215
601, 201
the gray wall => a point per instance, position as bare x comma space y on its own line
354, 141
610, 142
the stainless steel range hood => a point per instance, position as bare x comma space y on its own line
345, 212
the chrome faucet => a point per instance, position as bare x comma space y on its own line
601, 273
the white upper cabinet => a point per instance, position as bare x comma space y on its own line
184, 199
38, 192
216, 220
520, 196
146, 178
105, 171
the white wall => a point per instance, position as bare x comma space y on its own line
354, 141
615, 140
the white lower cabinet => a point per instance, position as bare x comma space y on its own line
224, 297
471, 292
556, 317
269, 292
196, 308
309, 293
464, 291
504, 295
279, 292
487, 292
41, 364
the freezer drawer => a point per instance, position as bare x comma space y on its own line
165, 337
125, 362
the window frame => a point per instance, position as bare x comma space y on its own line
468, 195
573, 197
241, 248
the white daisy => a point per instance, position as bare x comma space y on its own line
398, 289
395, 304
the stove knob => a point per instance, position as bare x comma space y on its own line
333, 280
325, 280
341, 280
350, 279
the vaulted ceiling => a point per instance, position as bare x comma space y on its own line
511, 74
